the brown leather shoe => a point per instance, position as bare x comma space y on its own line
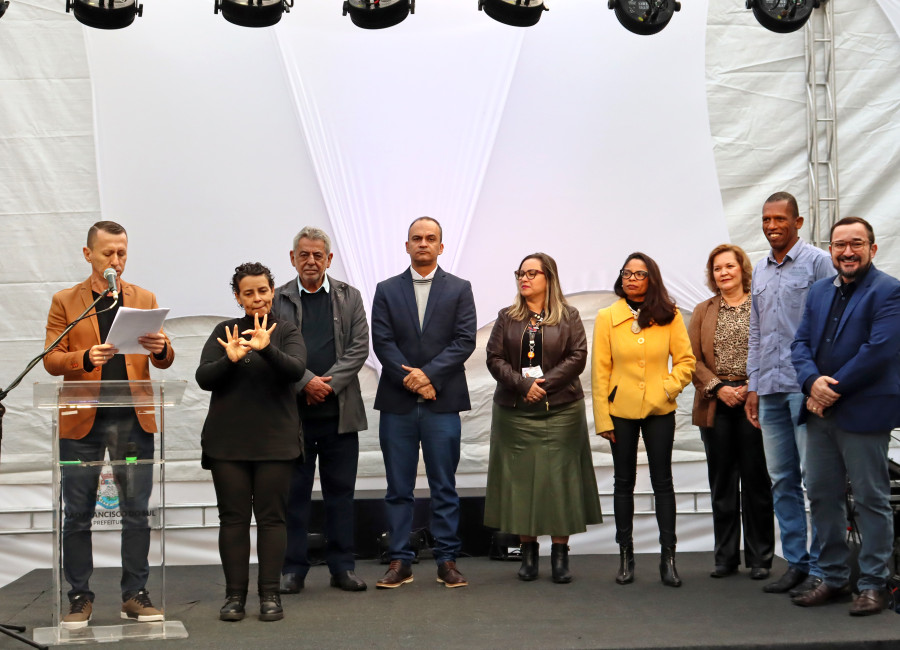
821, 595
397, 574
450, 575
869, 601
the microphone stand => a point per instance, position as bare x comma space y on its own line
13, 630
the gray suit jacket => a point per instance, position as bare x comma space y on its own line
351, 343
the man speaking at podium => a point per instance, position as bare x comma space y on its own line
86, 434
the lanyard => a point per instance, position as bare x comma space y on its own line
532, 330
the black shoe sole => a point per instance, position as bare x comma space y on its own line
349, 586
275, 616
232, 616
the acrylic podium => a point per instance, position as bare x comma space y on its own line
108, 504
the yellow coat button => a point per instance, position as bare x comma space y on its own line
641, 340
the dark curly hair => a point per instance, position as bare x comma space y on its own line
246, 270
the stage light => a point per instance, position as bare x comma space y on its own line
378, 14
253, 13
644, 17
4, 5
782, 16
105, 14
517, 13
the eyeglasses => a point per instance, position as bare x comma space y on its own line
531, 274
640, 275
856, 245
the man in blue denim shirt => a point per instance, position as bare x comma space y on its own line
779, 287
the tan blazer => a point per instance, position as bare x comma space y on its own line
67, 358
630, 376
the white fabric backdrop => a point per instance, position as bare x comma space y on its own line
237, 162
511, 138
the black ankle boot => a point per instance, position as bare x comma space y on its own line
233, 609
559, 563
270, 607
626, 564
667, 572
530, 554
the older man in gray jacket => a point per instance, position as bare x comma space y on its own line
331, 316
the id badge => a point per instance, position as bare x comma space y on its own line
533, 371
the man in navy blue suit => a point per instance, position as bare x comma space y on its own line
847, 356
423, 330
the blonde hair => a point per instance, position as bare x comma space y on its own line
556, 306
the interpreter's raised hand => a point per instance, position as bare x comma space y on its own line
259, 335
536, 393
317, 389
235, 347
154, 342
100, 354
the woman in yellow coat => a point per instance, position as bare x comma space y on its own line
634, 393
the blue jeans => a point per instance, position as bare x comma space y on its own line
833, 453
118, 431
400, 436
785, 444
338, 455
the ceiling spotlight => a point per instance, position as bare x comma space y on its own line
4, 5
644, 17
253, 13
105, 14
518, 13
782, 16
378, 14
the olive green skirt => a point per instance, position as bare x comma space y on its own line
540, 473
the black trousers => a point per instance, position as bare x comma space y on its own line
260, 487
741, 489
659, 434
338, 455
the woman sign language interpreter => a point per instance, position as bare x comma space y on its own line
251, 436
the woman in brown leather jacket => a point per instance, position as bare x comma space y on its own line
540, 474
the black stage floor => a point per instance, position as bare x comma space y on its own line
495, 611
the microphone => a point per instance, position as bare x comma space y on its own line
110, 275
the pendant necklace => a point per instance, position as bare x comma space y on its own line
532, 330
634, 326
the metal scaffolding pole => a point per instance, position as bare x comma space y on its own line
821, 118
